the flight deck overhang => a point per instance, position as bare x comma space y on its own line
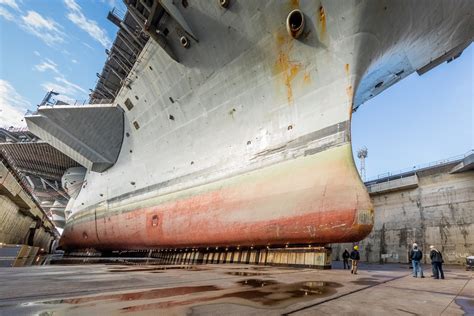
89, 134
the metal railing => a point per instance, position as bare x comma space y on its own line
419, 167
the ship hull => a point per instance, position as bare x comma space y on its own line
304, 201
242, 138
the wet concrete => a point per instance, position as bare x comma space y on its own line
230, 290
467, 304
241, 273
154, 269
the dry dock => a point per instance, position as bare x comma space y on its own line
104, 289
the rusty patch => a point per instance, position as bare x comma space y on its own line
349, 92
294, 4
307, 78
322, 20
284, 65
347, 68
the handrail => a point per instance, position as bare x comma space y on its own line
419, 167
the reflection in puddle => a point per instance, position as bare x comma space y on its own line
249, 292
256, 293
466, 304
253, 268
257, 282
241, 273
133, 296
101, 260
154, 269
273, 293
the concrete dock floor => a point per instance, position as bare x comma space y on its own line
104, 289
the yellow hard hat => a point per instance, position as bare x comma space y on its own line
356, 247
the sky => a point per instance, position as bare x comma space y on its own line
60, 45
418, 120
50, 44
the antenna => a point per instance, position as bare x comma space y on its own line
362, 154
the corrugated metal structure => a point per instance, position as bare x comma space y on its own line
39, 168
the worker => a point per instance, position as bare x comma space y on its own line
416, 255
355, 257
345, 258
437, 262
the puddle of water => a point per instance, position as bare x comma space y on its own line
257, 282
133, 296
273, 293
466, 304
241, 273
253, 268
100, 260
250, 292
256, 293
154, 269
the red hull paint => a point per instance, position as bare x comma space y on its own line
314, 200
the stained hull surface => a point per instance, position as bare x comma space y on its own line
250, 209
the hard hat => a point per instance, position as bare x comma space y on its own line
356, 247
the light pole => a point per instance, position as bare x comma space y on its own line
362, 154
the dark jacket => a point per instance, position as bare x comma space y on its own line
416, 254
355, 255
436, 256
345, 254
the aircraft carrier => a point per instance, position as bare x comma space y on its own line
226, 123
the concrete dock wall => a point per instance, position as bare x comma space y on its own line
22, 221
432, 207
14, 227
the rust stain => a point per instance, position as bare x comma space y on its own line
284, 65
280, 39
322, 20
294, 4
350, 96
307, 78
349, 92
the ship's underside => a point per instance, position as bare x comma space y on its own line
243, 137
245, 210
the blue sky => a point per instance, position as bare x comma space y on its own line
420, 119
60, 45
53, 44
